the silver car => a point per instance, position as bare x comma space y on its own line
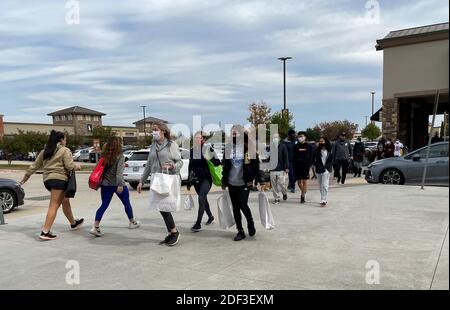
408, 169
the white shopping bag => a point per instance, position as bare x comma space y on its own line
165, 192
225, 211
264, 212
189, 203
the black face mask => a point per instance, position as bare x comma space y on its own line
322, 145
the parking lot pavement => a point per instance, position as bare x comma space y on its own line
398, 231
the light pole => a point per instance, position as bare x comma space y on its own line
284, 59
143, 110
373, 104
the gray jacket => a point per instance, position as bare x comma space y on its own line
342, 150
167, 152
113, 176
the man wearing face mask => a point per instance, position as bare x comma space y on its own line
358, 157
389, 149
302, 163
279, 175
342, 153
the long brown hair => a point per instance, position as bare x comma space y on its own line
163, 127
112, 150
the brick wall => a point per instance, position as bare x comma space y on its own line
390, 117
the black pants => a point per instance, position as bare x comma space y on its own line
344, 165
168, 219
202, 189
239, 198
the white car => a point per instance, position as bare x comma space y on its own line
82, 155
135, 166
128, 154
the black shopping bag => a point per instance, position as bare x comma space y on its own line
71, 188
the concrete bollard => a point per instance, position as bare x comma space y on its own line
2, 218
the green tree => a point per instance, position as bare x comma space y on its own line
31, 140
102, 133
313, 134
259, 114
371, 132
332, 129
12, 146
284, 124
73, 141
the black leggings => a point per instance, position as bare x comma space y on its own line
239, 199
168, 219
202, 189
344, 165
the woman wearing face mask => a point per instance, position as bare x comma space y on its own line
164, 156
239, 172
302, 164
389, 149
200, 177
56, 161
323, 161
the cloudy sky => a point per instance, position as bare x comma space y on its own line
198, 57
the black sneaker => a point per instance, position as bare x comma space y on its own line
174, 237
302, 199
338, 180
77, 224
166, 240
293, 190
210, 220
47, 236
285, 197
240, 235
196, 228
251, 230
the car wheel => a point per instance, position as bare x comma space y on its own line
8, 200
392, 176
134, 185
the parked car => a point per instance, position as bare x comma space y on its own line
371, 146
11, 195
408, 169
127, 154
82, 155
135, 166
2, 155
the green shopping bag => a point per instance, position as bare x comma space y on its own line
216, 173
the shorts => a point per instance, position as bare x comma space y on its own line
55, 184
301, 173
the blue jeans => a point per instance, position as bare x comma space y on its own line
292, 179
107, 193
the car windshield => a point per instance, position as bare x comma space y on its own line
139, 156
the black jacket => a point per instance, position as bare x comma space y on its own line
358, 151
302, 155
317, 161
251, 170
283, 157
198, 168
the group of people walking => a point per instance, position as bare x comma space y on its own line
241, 168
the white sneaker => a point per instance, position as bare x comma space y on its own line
276, 201
134, 225
96, 232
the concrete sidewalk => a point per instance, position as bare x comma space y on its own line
400, 228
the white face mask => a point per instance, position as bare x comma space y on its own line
301, 139
276, 140
156, 135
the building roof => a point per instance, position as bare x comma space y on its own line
37, 124
414, 35
149, 120
76, 110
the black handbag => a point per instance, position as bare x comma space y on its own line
71, 188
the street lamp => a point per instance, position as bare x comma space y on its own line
373, 104
284, 59
143, 110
